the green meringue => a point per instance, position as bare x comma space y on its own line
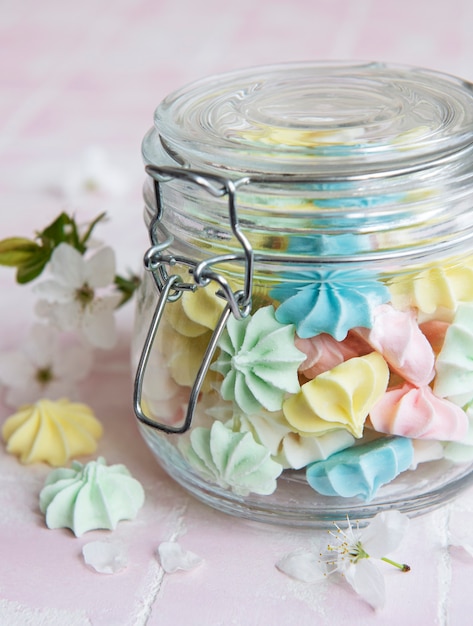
90, 497
259, 361
232, 460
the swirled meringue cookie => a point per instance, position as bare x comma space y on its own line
311, 139
323, 352
434, 331
287, 447
259, 361
329, 301
52, 432
183, 354
360, 471
90, 497
231, 460
418, 413
461, 452
162, 397
454, 364
339, 398
435, 291
396, 335
195, 313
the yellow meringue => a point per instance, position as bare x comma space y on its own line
183, 355
339, 398
305, 138
195, 312
51, 431
435, 291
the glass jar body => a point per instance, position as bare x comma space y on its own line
339, 314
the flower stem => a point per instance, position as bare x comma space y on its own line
402, 566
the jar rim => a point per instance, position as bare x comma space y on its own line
329, 120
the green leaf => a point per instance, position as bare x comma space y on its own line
15, 251
32, 267
91, 227
127, 287
30, 257
58, 231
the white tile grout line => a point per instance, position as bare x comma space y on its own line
155, 576
441, 521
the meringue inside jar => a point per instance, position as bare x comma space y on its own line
345, 385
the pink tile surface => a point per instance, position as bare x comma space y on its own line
88, 73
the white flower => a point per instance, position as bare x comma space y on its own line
93, 173
74, 299
43, 367
349, 553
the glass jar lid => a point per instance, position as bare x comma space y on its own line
316, 120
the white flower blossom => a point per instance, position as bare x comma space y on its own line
43, 367
349, 553
77, 297
93, 173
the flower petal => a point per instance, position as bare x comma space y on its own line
74, 362
368, 582
54, 291
67, 265
15, 369
99, 270
303, 565
41, 344
384, 533
98, 324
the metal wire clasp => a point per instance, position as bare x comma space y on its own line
171, 286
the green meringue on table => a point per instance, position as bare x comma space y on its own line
90, 497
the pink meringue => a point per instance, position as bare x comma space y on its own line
435, 331
398, 338
415, 412
323, 352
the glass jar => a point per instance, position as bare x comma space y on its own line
304, 328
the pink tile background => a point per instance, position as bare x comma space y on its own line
77, 74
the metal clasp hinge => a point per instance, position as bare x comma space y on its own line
171, 286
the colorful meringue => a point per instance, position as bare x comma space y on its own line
183, 355
287, 447
231, 460
435, 331
461, 452
52, 432
195, 312
162, 397
396, 335
323, 352
361, 470
329, 301
339, 398
417, 413
304, 138
90, 497
259, 361
454, 379
435, 291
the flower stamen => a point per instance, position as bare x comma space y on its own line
44, 375
84, 295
